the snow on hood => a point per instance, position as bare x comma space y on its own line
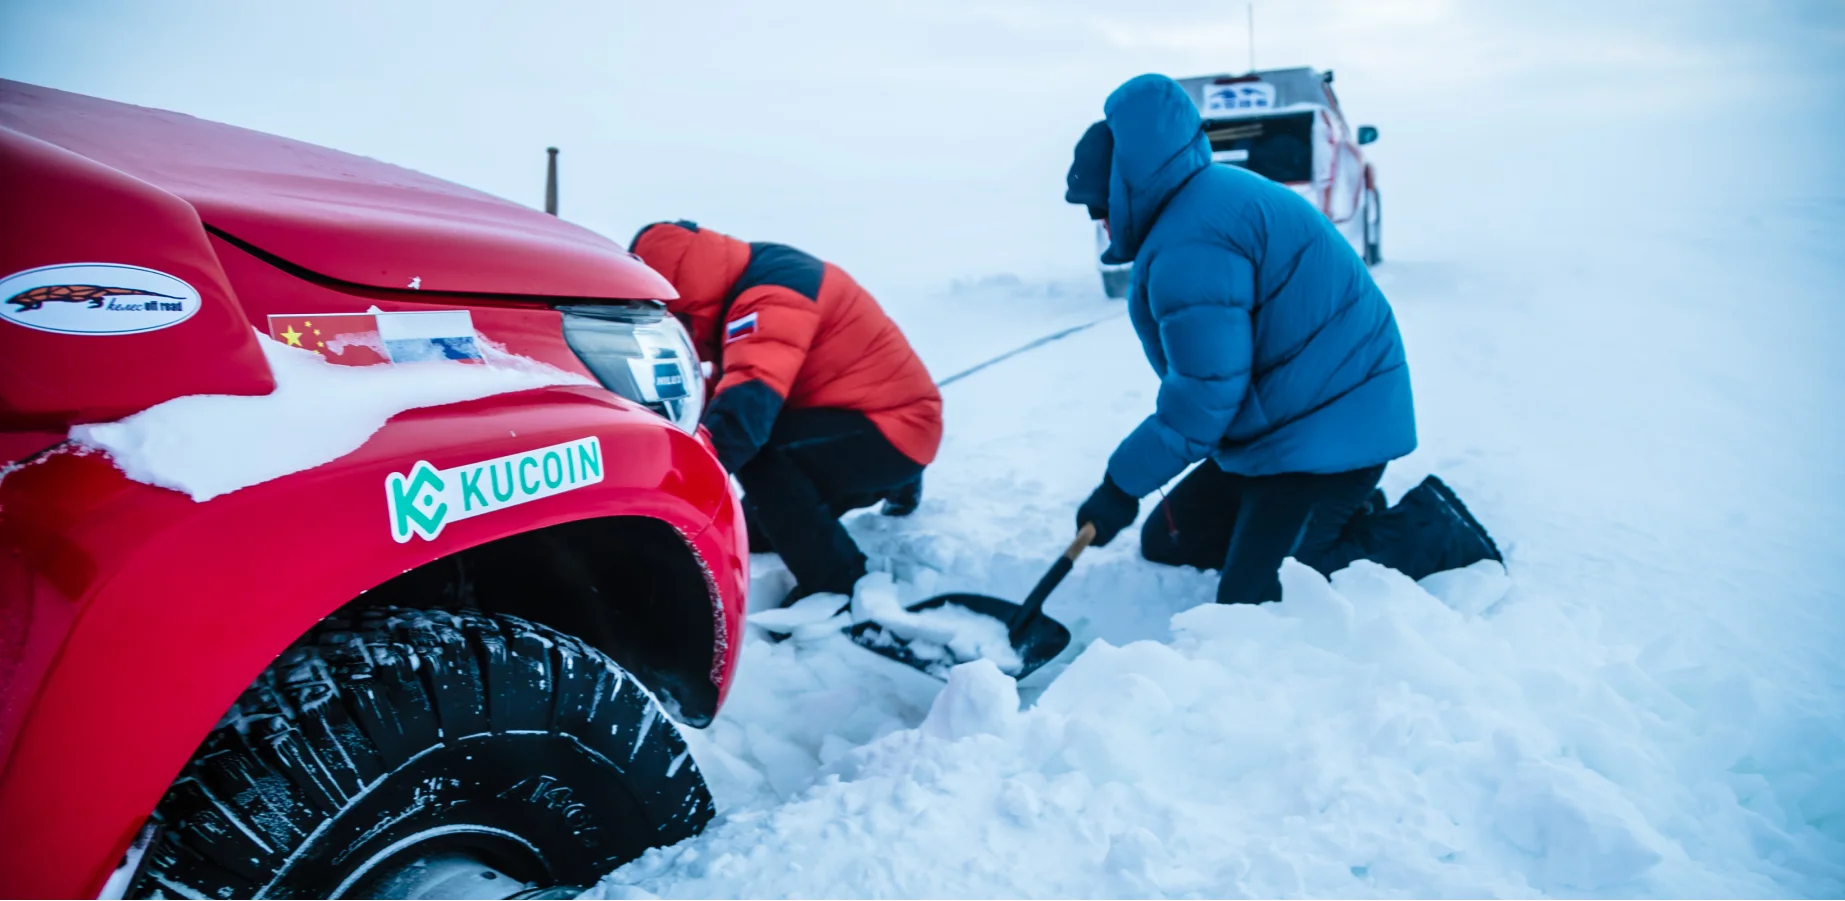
206, 445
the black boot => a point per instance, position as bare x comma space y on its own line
1454, 501
1428, 531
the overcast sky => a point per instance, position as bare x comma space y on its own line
929, 140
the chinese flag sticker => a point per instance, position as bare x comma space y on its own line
349, 339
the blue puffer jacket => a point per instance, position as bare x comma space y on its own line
1275, 350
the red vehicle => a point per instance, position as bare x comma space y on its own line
325, 684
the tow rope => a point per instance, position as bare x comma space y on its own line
1033, 345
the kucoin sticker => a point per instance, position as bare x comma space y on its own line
424, 500
96, 299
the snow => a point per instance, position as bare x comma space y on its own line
1360, 738
1647, 703
1612, 242
979, 699
208, 445
943, 635
808, 617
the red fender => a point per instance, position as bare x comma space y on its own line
140, 615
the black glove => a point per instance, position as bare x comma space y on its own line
1110, 509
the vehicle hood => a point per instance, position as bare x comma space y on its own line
341, 216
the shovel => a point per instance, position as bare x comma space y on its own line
1037, 638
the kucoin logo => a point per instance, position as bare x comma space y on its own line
425, 499
96, 299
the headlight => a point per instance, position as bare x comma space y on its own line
642, 354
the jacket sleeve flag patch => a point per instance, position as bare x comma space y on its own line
739, 329
365, 339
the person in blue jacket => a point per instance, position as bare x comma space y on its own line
1280, 367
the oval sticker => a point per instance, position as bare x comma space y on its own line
96, 299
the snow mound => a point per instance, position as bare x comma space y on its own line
1363, 737
978, 700
207, 445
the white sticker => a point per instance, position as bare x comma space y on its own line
659, 378
96, 299
424, 500
1232, 155
1238, 97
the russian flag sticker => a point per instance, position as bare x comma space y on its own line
739, 329
427, 337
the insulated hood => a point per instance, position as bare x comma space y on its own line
1159, 145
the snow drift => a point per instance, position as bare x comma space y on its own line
1367, 736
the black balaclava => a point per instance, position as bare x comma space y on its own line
1088, 178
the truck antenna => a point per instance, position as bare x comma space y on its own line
1252, 36
551, 181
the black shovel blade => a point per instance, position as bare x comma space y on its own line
1043, 639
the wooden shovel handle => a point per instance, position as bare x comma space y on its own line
1034, 602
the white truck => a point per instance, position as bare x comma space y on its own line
1286, 125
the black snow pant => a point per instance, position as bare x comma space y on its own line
817, 465
1246, 525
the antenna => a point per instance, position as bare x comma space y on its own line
1252, 36
551, 181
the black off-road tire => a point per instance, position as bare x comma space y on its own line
1374, 228
1115, 282
387, 732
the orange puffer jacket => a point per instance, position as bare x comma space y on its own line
787, 329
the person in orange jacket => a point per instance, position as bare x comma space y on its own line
820, 405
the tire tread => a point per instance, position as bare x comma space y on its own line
360, 695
